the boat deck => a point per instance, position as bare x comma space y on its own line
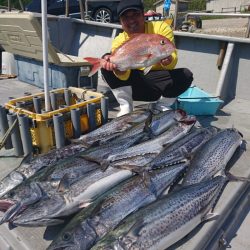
230, 227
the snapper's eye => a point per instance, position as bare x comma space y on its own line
162, 42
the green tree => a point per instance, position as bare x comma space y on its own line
197, 5
14, 3
149, 5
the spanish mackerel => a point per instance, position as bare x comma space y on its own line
155, 145
105, 214
113, 128
164, 222
43, 183
213, 156
28, 169
156, 124
79, 195
183, 148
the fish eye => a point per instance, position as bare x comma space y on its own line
66, 236
11, 194
162, 42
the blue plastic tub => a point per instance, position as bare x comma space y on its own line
196, 101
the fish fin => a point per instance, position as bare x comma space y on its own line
209, 216
104, 164
84, 204
146, 178
95, 144
27, 159
90, 158
147, 128
175, 188
40, 223
135, 229
11, 226
186, 155
96, 64
64, 183
80, 142
165, 145
97, 208
147, 69
232, 177
133, 168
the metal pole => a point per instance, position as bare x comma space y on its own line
81, 9
9, 8
37, 104
104, 108
25, 133
248, 28
227, 59
45, 54
91, 116
53, 99
76, 122
176, 13
67, 8
67, 96
15, 135
59, 130
4, 126
86, 8
21, 5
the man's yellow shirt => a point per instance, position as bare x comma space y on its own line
155, 27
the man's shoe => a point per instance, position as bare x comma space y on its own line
123, 96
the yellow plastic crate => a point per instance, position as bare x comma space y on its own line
42, 129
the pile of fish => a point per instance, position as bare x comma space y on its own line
141, 181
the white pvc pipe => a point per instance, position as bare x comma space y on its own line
217, 14
45, 54
224, 70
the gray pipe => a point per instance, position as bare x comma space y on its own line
104, 108
37, 104
67, 96
248, 28
4, 127
20, 104
58, 122
43, 111
53, 100
25, 133
15, 135
75, 118
224, 70
91, 116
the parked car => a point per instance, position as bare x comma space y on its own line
100, 11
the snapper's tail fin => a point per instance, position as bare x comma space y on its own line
96, 64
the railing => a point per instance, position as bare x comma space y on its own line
228, 9
223, 15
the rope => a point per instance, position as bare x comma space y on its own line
6, 136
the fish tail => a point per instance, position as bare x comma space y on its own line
11, 213
96, 64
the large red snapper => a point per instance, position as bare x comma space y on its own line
141, 50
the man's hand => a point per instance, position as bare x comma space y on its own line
106, 64
166, 61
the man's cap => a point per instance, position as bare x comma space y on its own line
125, 5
